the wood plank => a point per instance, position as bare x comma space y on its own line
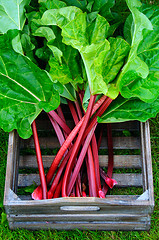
147, 161
120, 161
12, 165
111, 197
111, 226
124, 180
118, 143
80, 217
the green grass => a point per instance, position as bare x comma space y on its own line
6, 233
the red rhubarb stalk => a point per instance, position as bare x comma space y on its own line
73, 111
77, 145
78, 164
60, 121
39, 161
92, 183
96, 165
58, 175
60, 113
57, 130
37, 192
58, 189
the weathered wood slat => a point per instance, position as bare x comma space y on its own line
120, 161
112, 197
111, 226
80, 217
124, 180
118, 143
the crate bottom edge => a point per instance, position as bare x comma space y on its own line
113, 226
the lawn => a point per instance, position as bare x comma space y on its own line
6, 233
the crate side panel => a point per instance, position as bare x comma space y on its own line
111, 226
120, 161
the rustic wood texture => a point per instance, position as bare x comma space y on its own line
109, 226
146, 161
118, 143
123, 180
120, 161
115, 212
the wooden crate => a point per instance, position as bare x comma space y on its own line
127, 207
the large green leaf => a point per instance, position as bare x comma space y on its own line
114, 58
60, 16
87, 38
77, 3
25, 90
146, 88
103, 7
12, 14
134, 63
92, 47
122, 110
60, 72
51, 4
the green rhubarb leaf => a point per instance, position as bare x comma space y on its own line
16, 44
12, 14
92, 47
43, 53
60, 16
103, 7
77, 3
135, 65
25, 90
57, 53
51, 4
114, 58
129, 29
122, 110
59, 72
145, 88
45, 32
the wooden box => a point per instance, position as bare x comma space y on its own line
127, 207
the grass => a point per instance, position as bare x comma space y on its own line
6, 233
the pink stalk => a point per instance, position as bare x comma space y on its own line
60, 121
79, 163
73, 193
108, 180
78, 109
92, 183
108, 177
60, 113
89, 162
96, 165
58, 189
100, 111
73, 111
77, 144
39, 161
58, 175
76, 120
77, 190
57, 130
38, 191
